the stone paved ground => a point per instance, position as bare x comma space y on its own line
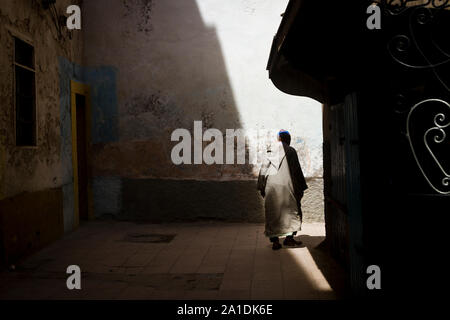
205, 260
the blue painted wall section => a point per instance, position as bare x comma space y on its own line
104, 126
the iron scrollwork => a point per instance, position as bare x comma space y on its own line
399, 6
423, 145
418, 48
420, 45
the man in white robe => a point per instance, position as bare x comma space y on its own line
282, 183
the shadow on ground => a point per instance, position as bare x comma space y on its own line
204, 260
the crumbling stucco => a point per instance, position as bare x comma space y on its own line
33, 168
152, 67
179, 71
36, 195
183, 61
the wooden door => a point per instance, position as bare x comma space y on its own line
80, 151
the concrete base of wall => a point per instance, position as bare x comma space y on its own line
313, 201
166, 200
30, 221
163, 200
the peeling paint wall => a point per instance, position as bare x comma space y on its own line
33, 169
178, 62
35, 173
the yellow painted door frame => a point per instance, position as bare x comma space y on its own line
84, 90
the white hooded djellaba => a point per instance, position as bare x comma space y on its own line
281, 183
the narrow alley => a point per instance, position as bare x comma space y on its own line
182, 149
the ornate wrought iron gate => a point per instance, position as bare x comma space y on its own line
419, 44
405, 153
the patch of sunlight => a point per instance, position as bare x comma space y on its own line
305, 262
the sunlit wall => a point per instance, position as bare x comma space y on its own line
175, 62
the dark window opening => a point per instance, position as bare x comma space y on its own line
25, 93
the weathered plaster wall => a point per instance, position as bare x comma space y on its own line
34, 174
32, 169
181, 61
30, 221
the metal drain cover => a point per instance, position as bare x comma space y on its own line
149, 237
178, 281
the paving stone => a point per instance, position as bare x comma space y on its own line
205, 260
